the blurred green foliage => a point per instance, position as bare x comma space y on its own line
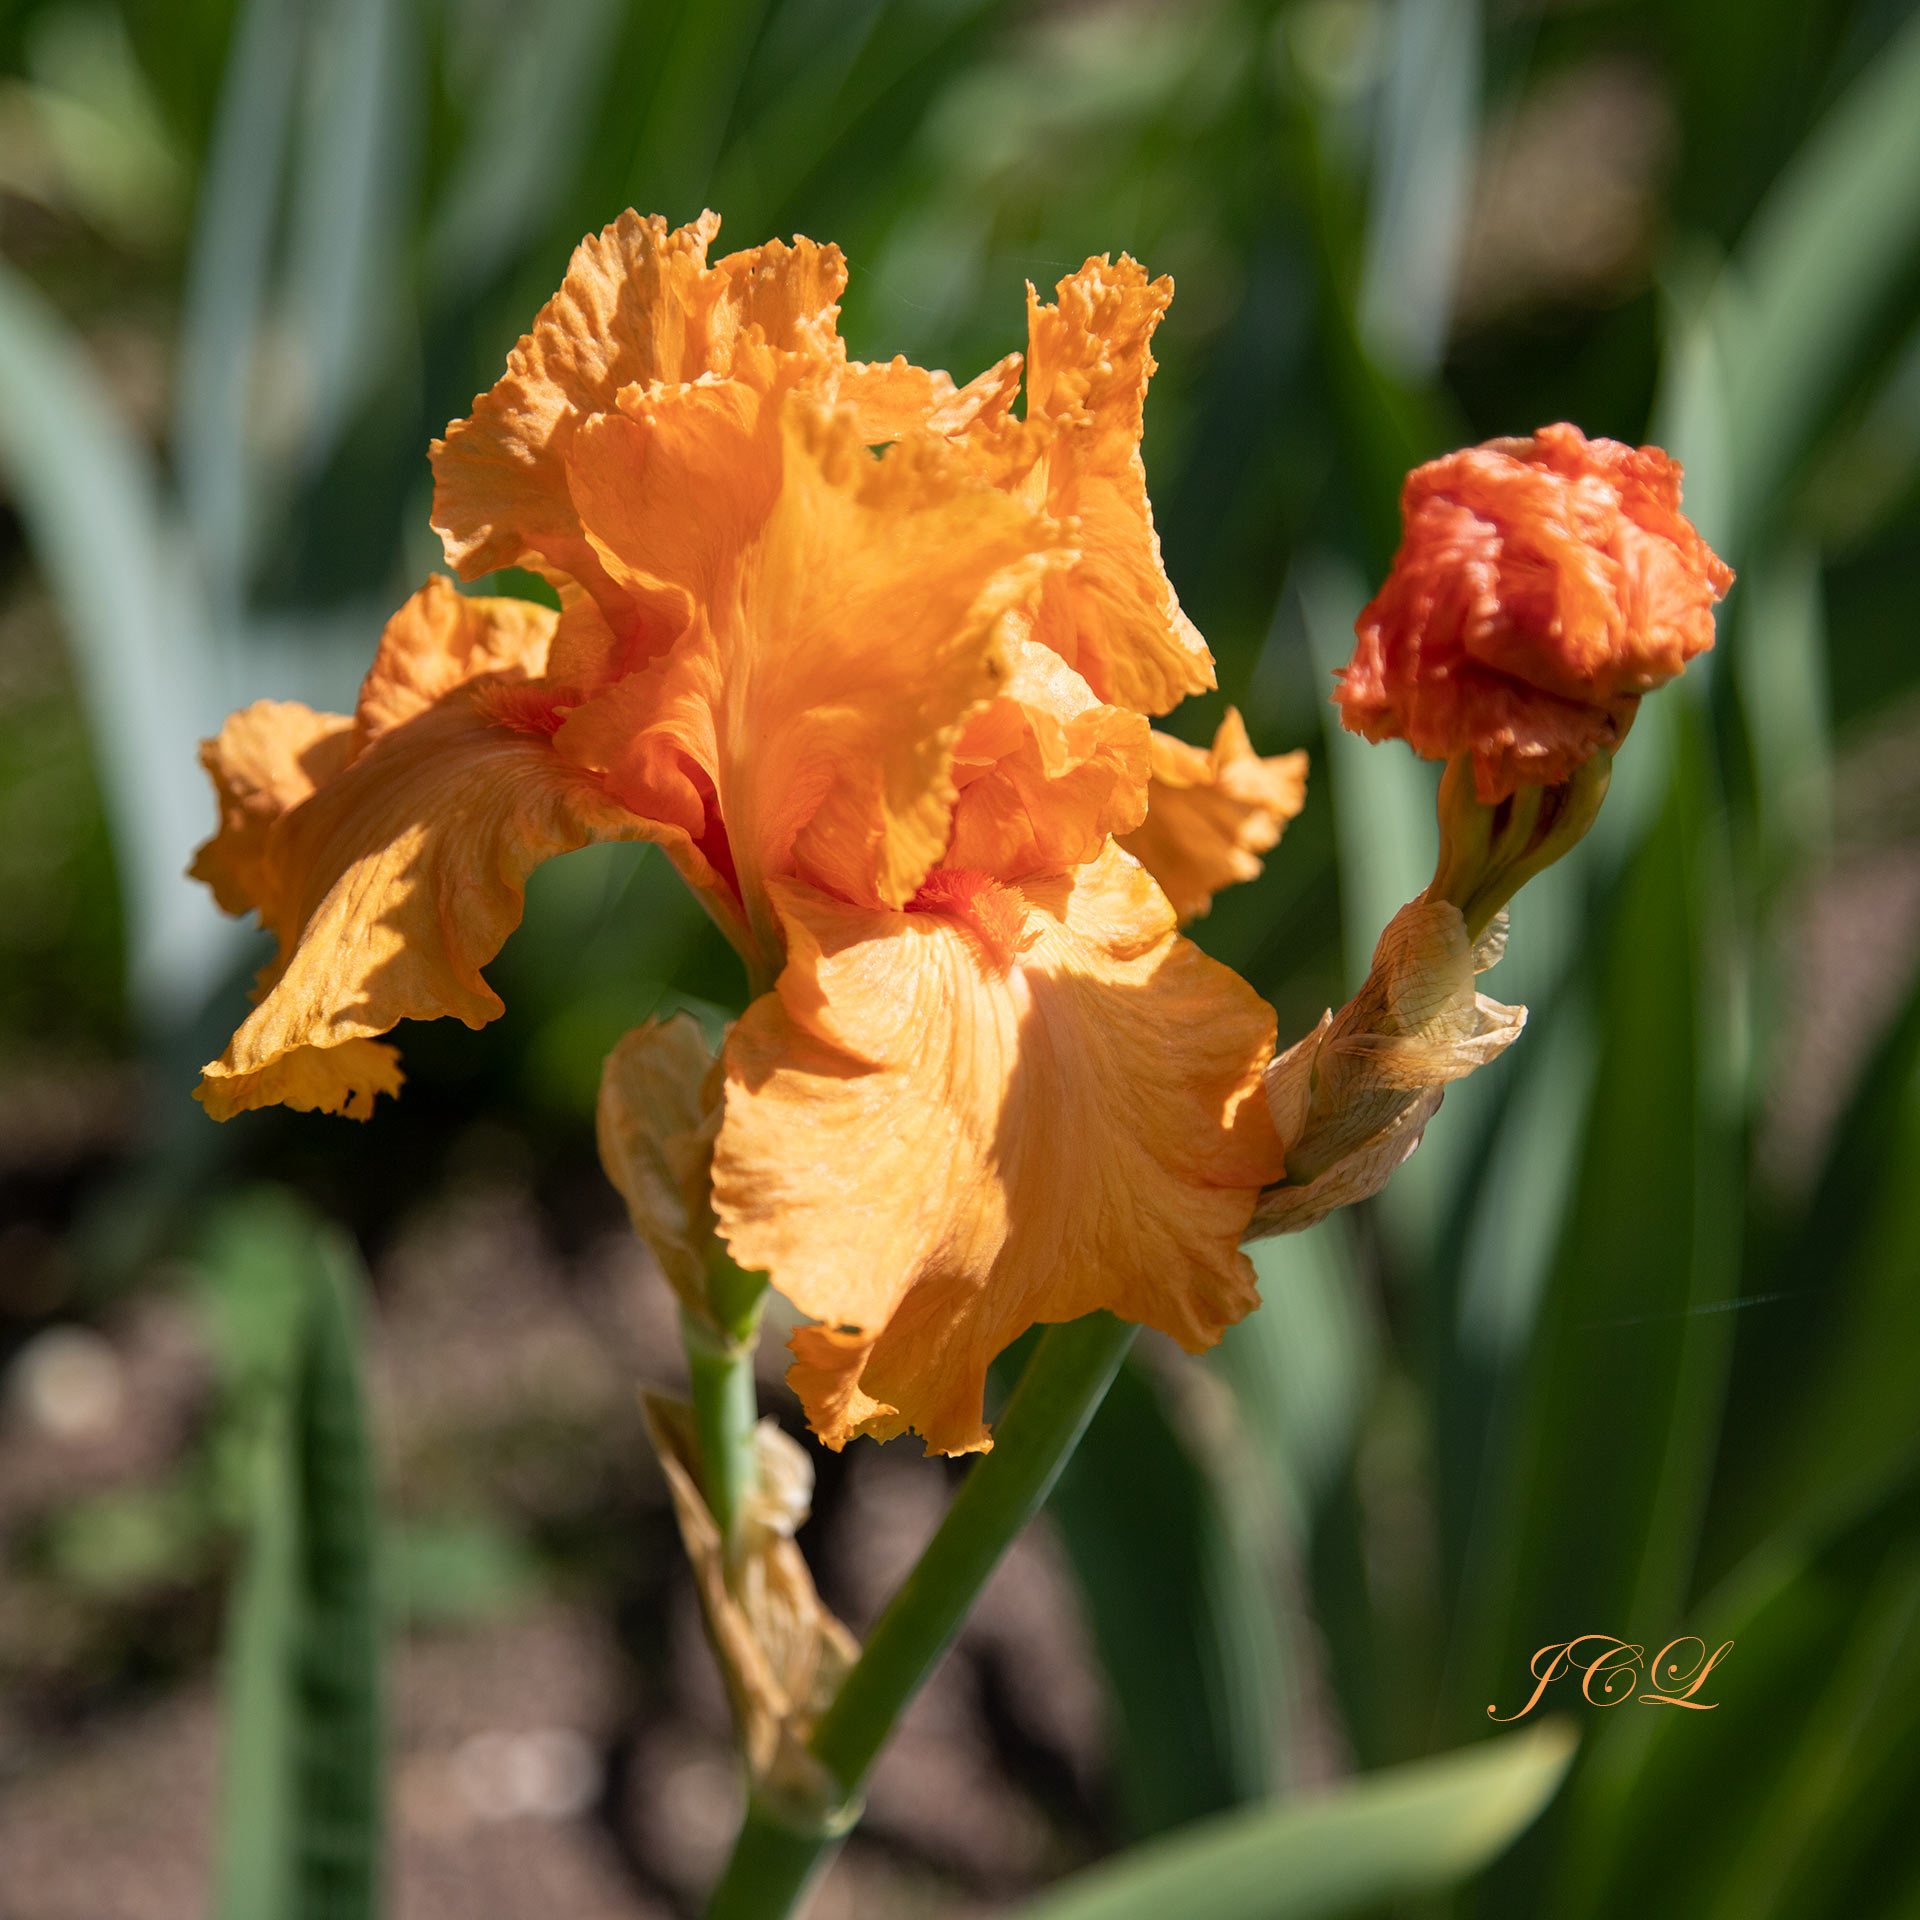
1603, 1359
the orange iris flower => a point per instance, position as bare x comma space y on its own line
870, 658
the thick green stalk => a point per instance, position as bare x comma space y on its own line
772, 1869
774, 1864
1063, 1385
725, 1413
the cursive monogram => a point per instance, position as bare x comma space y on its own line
1610, 1670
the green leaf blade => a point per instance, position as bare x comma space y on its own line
1407, 1830
303, 1795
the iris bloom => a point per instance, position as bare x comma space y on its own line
870, 658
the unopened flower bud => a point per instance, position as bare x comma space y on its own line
1541, 587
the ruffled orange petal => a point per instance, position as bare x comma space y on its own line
845, 613
1046, 772
932, 1142
1114, 616
1211, 814
266, 760
983, 402
345, 1079
890, 399
442, 639
786, 298
639, 309
391, 887
631, 308
271, 756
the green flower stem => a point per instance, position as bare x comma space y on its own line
775, 1863
1064, 1383
725, 1413
773, 1867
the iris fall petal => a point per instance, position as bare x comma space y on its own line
935, 1137
388, 852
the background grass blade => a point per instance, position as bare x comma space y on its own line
301, 1818
340, 1777
1595, 1522
89, 494
1179, 1616
701, 58
1426, 133
226, 294
1792, 1796
532, 114
352, 193
1754, 372
1302, 1367
253, 1866
1780, 664
1832, 242
1382, 797
1405, 1831
1819, 1417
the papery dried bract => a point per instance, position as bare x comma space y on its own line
657, 1116
1351, 1100
781, 1653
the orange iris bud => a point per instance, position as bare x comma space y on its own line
1541, 587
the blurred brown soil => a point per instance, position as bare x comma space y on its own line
560, 1751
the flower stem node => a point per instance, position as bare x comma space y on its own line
1351, 1100
1488, 852
781, 1653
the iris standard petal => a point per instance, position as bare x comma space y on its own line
845, 616
1114, 616
1046, 773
